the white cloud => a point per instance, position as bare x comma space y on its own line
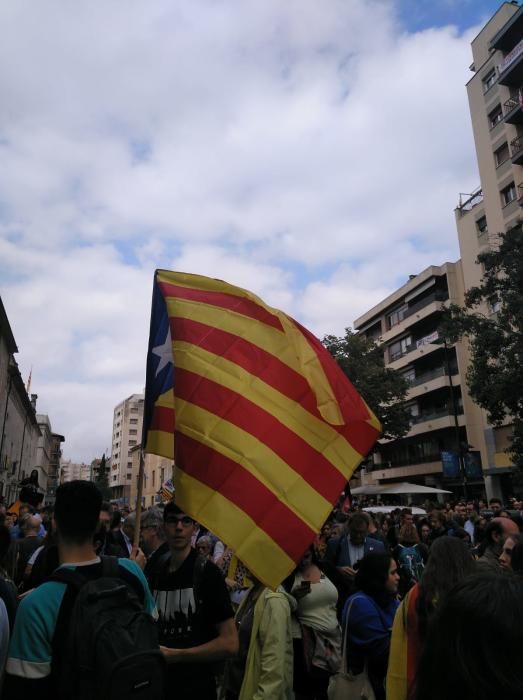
311, 152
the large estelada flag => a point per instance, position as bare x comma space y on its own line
264, 427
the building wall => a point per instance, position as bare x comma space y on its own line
20, 437
156, 470
479, 219
127, 434
72, 471
443, 415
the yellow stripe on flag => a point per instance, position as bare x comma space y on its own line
258, 459
315, 432
257, 550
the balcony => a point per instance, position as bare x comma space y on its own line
436, 420
516, 149
430, 381
511, 67
509, 34
513, 109
472, 200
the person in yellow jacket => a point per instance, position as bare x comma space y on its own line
263, 669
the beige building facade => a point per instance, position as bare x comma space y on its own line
71, 471
19, 430
127, 434
156, 470
445, 423
495, 94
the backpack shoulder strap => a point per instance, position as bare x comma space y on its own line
197, 577
110, 567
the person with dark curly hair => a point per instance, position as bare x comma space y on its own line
368, 616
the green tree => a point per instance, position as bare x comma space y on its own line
102, 479
495, 374
383, 389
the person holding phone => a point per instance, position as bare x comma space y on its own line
316, 632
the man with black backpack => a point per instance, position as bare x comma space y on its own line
89, 631
196, 621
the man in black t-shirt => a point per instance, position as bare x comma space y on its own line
195, 618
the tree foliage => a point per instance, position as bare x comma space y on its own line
383, 389
102, 478
492, 320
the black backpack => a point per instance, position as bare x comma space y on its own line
105, 644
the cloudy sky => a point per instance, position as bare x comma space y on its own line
311, 151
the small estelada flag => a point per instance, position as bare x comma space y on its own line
264, 427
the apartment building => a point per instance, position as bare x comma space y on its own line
19, 430
495, 94
71, 471
127, 434
445, 423
156, 470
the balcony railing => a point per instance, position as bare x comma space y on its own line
516, 149
471, 200
436, 296
433, 415
433, 374
513, 108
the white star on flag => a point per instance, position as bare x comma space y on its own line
164, 352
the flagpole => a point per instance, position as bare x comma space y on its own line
141, 469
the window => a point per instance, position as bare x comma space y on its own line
409, 375
396, 316
508, 194
495, 116
129, 465
400, 348
162, 474
154, 478
481, 225
133, 421
134, 409
501, 154
129, 477
489, 80
133, 432
132, 442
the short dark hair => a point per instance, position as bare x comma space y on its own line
372, 574
494, 527
106, 507
359, 519
171, 509
76, 510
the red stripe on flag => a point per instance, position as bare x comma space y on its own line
275, 373
292, 449
231, 302
163, 419
353, 408
243, 490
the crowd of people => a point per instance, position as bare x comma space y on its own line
405, 606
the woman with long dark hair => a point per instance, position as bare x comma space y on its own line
449, 562
472, 646
368, 617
